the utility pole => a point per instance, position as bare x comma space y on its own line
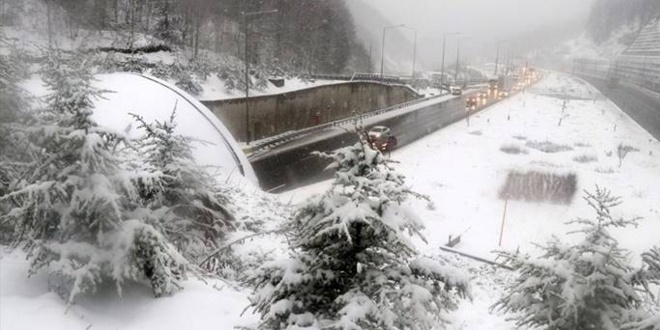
247, 68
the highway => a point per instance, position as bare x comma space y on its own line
292, 165
643, 107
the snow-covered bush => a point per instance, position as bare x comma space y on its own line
73, 204
590, 285
183, 199
352, 263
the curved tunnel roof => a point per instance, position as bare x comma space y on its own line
155, 99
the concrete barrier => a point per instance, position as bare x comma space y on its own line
275, 114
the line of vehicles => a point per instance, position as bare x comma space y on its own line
381, 137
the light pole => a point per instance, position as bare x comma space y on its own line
497, 56
247, 68
414, 50
382, 52
444, 43
458, 54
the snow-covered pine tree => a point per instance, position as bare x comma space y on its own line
71, 206
352, 264
13, 113
589, 285
184, 200
650, 319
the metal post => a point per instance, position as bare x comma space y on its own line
247, 69
444, 44
442, 72
497, 59
382, 55
458, 50
506, 203
247, 83
414, 54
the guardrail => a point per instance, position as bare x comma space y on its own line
261, 146
359, 77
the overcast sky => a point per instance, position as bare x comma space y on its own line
484, 22
493, 17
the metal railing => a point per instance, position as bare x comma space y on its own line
261, 146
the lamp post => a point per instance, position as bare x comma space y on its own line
382, 53
444, 43
458, 54
414, 50
497, 56
246, 15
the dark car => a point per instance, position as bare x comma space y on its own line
381, 138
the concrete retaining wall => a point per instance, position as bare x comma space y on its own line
274, 114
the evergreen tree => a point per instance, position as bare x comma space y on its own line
651, 319
183, 199
352, 263
72, 205
590, 285
13, 112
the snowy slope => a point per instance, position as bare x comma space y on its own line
460, 168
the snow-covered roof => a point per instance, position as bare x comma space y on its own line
154, 99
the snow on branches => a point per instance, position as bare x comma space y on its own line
75, 199
590, 285
182, 198
352, 263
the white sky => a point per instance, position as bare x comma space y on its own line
496, 18
481, 23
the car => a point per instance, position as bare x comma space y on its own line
503, 94
381, 138
483, 97
471, 103
454, 90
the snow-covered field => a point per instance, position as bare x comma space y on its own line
461, 169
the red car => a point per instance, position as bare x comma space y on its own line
381, 138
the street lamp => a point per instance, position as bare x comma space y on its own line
247, 68
497, 57
414, 49
382, 53
458, 54
444, 43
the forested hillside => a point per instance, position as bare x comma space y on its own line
608, 16
301, 36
